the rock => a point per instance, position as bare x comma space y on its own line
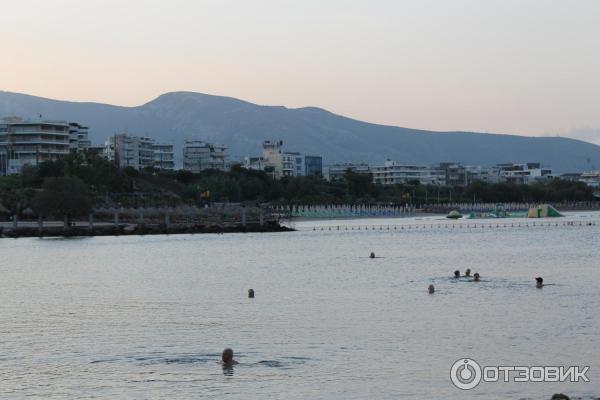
560, 396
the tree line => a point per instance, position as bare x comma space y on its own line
73, 186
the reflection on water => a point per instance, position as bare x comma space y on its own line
148, 317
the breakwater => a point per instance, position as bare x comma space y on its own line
148, 221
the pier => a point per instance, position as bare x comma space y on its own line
147, 221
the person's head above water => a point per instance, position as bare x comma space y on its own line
251, 293
476, 277
457, 274
468, 272
227, 357
372, 255
431, 289
539, 281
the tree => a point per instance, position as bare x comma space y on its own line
14, 195
360, 185
63, 196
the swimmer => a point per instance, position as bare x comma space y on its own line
227, 358
372, 255
251, 293
431, 289
468, 273
539, 282
476, 277
457, 274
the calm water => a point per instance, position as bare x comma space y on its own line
147, 317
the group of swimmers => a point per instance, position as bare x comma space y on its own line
539, 281
476, 278
227, 360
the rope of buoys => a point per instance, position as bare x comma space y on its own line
453, 226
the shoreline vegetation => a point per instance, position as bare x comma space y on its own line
84, 194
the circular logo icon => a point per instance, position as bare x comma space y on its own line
465, 373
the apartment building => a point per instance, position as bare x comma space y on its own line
78, 137
525, 173
164, 159
393, 172
138, 152
24, 142
283, 163
199, 155
336, 172
591, 178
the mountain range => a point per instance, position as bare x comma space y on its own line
242, 126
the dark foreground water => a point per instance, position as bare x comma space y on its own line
147, 317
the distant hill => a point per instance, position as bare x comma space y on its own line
242, 126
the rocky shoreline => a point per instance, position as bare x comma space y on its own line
130, 229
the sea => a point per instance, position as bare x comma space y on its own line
147, 317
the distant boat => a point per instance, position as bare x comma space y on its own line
454, 215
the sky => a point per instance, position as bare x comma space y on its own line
529, 67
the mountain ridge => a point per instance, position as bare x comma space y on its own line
242, 126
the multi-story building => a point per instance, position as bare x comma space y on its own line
138, 152
123, 150
78, 137
286, 163
591, 178
276, 160
313, 165
199, 156
254, 163
336, 173
525, 173
146, 152
164, 159
393, 172
460, 175
31, 142
298, 166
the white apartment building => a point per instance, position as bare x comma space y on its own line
337, 172
393, 172
526, 173
78, 137
138, 152
163, 157
199, 156
591, 178
254, 163
25, 142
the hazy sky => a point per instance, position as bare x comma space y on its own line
509, 66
